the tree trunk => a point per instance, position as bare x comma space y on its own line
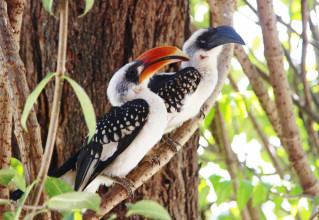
110, 35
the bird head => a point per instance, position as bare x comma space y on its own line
134, 76
205, 45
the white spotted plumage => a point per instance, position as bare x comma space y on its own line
192, 85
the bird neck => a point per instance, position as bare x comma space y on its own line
205, 67
156, 103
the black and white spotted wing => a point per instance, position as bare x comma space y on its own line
115, 131
173, 88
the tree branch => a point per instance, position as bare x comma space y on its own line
30, 144
259, 88
291, 136
15, 12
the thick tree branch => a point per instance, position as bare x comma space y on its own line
5, 136
295, 98
259, 88
290, 133
30, 144
15, 12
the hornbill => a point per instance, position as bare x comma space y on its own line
185, 91
128, 131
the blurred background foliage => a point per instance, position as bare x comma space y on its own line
273, 190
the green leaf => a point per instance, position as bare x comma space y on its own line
47, 5
5, 176
209, 118
203, 193
18, 180
69, 216
75, 200
55, 186
8, 216
113, 216
256, 43
23, 198
31, 215
215, 180
17, 165
243, 193
86, 105
260, 193
316, 201
224, 191
149, 209
32, 98
88, 6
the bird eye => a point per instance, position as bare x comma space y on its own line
202, 40
131, 73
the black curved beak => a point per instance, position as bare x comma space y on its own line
223, 35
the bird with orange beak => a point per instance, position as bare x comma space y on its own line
124, 135
130, 129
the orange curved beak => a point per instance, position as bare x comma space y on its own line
156, 58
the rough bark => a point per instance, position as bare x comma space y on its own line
291, 136
18, 91
15, 12
5, 137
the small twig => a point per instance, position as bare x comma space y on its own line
16, 204
304, 12
46, 159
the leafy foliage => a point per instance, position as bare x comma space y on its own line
55, 186
32, 98
88, 6
75, 200
86, 105
149, 209
47, 5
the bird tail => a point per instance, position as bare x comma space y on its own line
65, 172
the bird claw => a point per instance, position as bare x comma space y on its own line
172, 144
201, 113
151, 158
125, 183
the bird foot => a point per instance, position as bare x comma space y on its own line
172, 144
125, 183
151, 158
201, 113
